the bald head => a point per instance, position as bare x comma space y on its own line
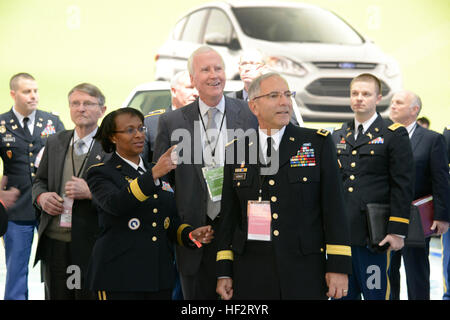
405, 107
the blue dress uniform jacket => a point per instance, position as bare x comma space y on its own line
137, 220
378, 168
19, 155
308, 216
151, 123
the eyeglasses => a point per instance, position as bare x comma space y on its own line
132, 131
277, 95
86, 104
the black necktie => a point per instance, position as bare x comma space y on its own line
360, 133
25, 127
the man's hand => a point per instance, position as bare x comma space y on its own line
203, 234
337, 284
225, 288
166, 163
395, 242
77, 188
9, 196
51, 203
442, 227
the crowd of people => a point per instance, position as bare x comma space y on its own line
218, 196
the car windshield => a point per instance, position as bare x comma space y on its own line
295, 25
147, 101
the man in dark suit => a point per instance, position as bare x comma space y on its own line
446, 236
201, 131
377, 167
251, 66
305, 247
23, 131
431, 178
66, 239
183, 93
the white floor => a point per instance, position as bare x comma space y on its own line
36, 288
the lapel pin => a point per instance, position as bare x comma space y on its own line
98, 157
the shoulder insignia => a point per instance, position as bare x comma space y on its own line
323, 132
395, 126
155, 112
230, 143
338, 127
95, 165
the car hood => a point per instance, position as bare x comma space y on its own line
312, 52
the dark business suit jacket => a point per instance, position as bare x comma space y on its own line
84, 214
431, 168
3, 220
378, 168
19, 152
309, 218
190, 188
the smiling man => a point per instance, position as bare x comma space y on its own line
23, 131
66, 238
284, 233
377, 167
209, 119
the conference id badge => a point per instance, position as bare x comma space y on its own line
259, 220
65, 220
214, 181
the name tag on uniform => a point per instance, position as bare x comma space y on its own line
9, 138
259, 220
341, 146
66, 217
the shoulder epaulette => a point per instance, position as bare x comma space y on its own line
395, 126
155, 112
338, 127
95, 165
323, 132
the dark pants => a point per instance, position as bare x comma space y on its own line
160, 295
60, 281
417, 270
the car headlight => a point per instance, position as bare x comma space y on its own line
285, 65
392, 69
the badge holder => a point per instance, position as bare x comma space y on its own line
259, 220
65, 220
214, 181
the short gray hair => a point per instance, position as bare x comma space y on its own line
202, 49
175, 81
416, 101
255, 87
91, 90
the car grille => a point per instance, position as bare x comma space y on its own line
336, 87
345, 65
339, 109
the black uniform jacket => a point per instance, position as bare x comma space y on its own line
137, 221
307, 205
19, 152
379, 168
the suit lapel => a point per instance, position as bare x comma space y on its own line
96, 155
61, 150
232, 112
416, 137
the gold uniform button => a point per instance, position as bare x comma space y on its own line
155, 210
321, 249
155, 196
8, 144
30, 154
32, 164
276, 233
352, 177
350, 189
354, 152
154, 224
154, 239
372, 152
273, 199
31, 145
275, 216
271, 182
339, 151
305, 179
238, 184
353, 164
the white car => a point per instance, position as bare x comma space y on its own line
314, 49
155, 95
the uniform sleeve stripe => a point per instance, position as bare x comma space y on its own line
397, 219
136, 191
179, 232
339, 250
225, 255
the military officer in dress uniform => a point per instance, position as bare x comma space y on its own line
284, 233
23, 131
183, 93
377, 167
132, 258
